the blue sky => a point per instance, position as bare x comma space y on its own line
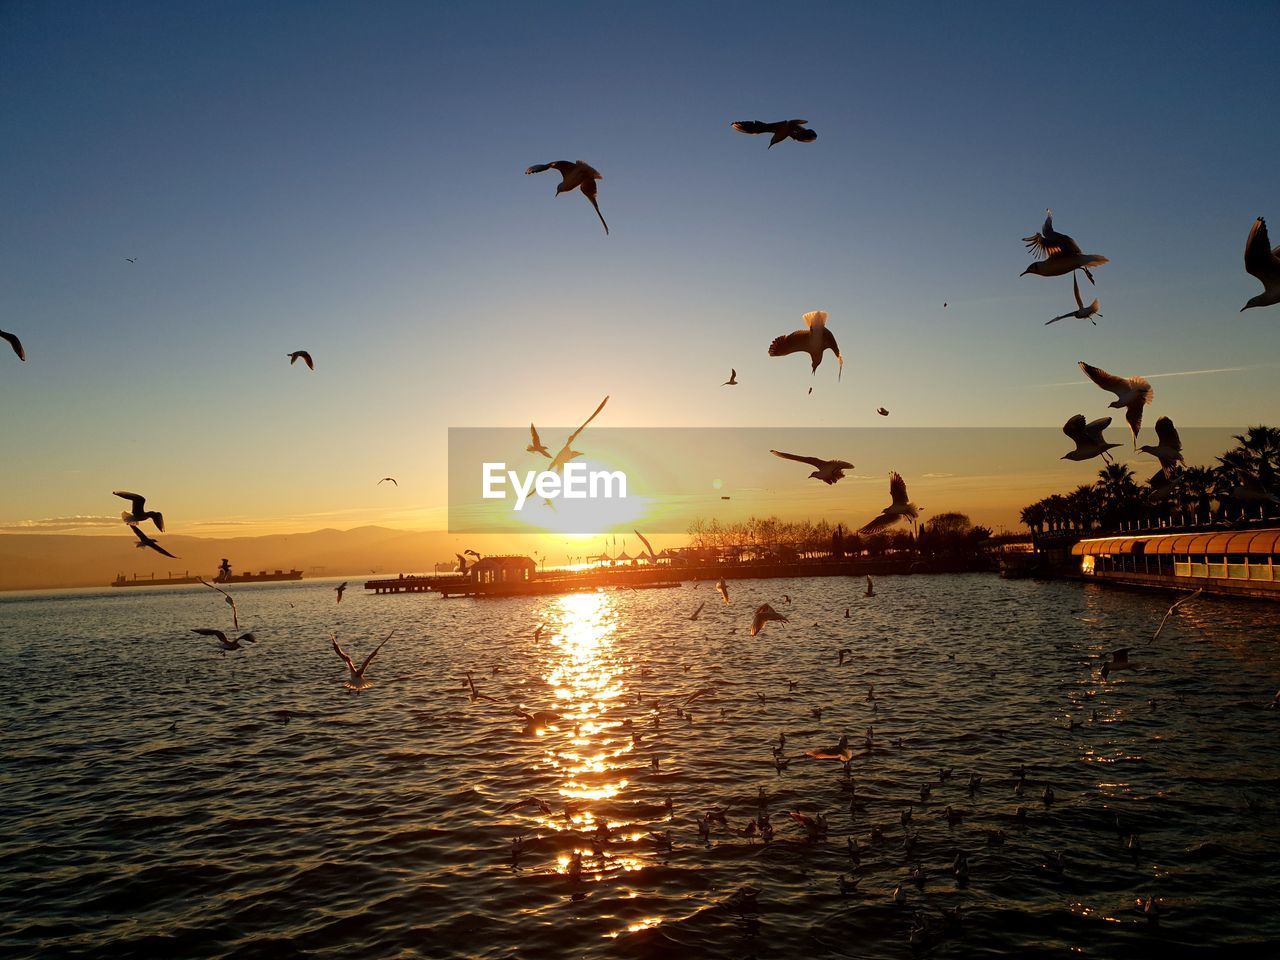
347, 178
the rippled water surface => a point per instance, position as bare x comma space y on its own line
162, 799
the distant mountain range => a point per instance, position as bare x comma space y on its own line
35, 561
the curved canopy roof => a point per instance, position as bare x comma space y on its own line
1212, 544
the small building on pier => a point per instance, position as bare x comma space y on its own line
505, 569
1245, 562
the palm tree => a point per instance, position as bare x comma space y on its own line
1085, 504
1119, 493
1033, 517
1198, 484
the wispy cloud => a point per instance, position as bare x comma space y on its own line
1176, 373
938, 476
55, 524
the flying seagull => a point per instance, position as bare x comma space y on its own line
828, 471
764, 613
462, 563
733, 379
537, 446
781, 130
385, 479
1082, 312
132, 259
1162, 488
356, 680
695, 614
235, 614
566, 452
140, 511
645, 541
1264, 263
225, 642
882, 411
575, 176
306, 358
339, 589
1088, 439
1169, 450
1131, 394
723, 588
14, 342
1168, 613
900, 508
1060, 254
1250, 489
813, 340
145, 541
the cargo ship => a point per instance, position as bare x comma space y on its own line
224, 575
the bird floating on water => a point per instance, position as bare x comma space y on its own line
1081, 312
579, 175
356, 680
1088, 438
302, 355
828, 471
1061, 254
781, 130
900, 509
1263, 262
13, 341
1132, 394
140, 511
814, 340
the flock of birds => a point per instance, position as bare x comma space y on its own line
1058, 255
945, 804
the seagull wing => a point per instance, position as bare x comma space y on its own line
1077, 429
1075, 288
1259, 259
797, 342
879, 523
812, 461
756, 126
574, 436
342, 653
645, 541
159, 549
210, 632
1168, 434
138, 501
1049, 242
1095, 427
1133, 414
829, 343
543, 167
14, 342
369, 659
898, 490
1107, 381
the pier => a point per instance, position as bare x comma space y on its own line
660, 576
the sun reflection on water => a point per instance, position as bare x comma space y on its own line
585, 677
